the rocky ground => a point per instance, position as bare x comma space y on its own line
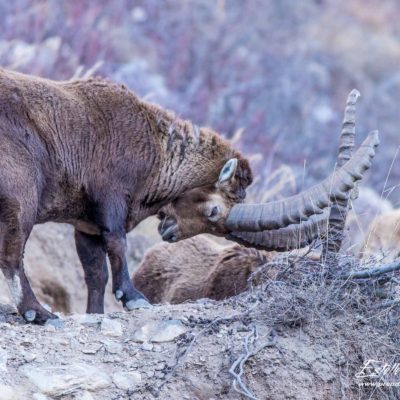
300, 336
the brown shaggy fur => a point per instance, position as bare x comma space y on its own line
382, 240
196, 268
92, 154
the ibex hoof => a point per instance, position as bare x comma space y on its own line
140, 303
30, 315
56, 322
119, 294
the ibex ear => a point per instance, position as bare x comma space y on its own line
228, 170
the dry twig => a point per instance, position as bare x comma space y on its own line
370, 273
237, 370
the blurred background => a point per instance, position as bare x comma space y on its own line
274, 75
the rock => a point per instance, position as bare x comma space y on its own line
114, 348
111, 327
160, 366
50, 328
85, 396
110, 358
53, 324
3, 360
63, 379
126, 380
150, 374
29, 357
87, 319
8, 393
92, 348
147, 346
159, 332
8, 309
39, 396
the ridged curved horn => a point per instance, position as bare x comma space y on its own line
279, 214
348, 132
290, 238
339, 209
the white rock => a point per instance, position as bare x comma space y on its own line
85, 396
114, 348
92, 348
111, 327
50, 328
159, 332
29, 357
3, 360
147, 346
64, 379
8, 393
87, 319
39, 396
127, 380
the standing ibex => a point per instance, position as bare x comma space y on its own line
92, 154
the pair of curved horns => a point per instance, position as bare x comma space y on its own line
275, 225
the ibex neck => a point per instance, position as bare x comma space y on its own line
190, 156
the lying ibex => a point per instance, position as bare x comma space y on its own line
383, 237
92, 154
198, 268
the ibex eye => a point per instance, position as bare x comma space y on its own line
214, 211
214, 214
161, 215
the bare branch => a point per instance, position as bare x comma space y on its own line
372, 272
237, 367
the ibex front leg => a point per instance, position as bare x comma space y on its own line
123, 288
111, 219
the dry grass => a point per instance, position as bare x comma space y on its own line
361, 316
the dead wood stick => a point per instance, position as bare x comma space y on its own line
237, 367
370, 273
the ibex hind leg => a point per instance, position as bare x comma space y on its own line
15, 227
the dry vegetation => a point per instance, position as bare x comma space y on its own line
302, 335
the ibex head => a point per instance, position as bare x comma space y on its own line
205, 209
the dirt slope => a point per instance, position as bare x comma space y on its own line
310, 337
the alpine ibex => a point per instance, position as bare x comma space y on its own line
92, 154
383, 237
198, 268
